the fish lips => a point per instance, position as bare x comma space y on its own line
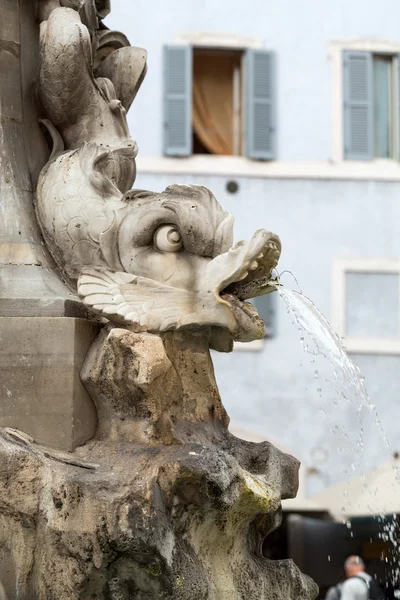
242, 273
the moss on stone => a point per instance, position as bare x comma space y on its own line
153, 569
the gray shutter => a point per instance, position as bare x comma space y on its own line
358, 106
266, 307
177, 100
397, 148
260, 105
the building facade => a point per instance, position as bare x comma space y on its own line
289, 112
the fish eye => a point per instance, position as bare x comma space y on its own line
168, 239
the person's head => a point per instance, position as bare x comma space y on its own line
353, 566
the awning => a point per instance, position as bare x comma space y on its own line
300, 504
376, 492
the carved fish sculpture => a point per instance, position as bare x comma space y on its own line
148, 261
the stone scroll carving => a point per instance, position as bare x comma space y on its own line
164, 503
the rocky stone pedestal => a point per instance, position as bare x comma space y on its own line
163, 504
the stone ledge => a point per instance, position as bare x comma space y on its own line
41, 307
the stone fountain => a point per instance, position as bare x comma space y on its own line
119, 478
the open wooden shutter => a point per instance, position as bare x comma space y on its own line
177, 100
358, 106
266, 307
260, 105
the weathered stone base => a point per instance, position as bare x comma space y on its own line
127, 521
40, 389
165, 504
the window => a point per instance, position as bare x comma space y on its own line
367, 305
266, 307
219, 101
370, 105
372, 304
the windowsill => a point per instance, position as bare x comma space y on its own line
367, 345
240, 166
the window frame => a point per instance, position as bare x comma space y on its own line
212, 40
363, 344
336, 49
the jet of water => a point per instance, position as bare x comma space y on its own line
318, 339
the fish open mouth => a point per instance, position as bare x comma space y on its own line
248, 268
226, 282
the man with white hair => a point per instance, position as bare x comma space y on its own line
359, 585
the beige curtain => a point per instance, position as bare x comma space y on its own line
213, 118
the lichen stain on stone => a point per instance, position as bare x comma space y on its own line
153, 569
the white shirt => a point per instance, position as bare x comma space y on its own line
334, 592
355, 589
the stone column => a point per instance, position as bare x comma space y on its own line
30, 288
29, 285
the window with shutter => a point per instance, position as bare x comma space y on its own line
260, 105
177, 100
219, 101
371, 105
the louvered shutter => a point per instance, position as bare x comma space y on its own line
358, 106
177, 100
260, 105
398, 108
266, 307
